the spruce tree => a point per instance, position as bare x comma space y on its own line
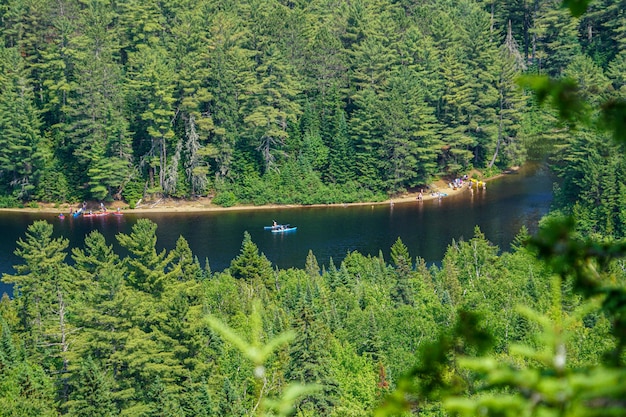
25, 389
19, 128
308, 359
251, 266
41, 286
147, 268
92, 392
97, 125
401, 292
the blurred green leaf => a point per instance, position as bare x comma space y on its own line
613, 118
562, 94
576, 7
285, 405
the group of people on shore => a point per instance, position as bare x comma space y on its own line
83, 209
456, 184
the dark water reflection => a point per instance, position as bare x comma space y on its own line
426, 228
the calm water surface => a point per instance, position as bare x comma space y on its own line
426, 228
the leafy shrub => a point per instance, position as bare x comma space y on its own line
133, 192
7, 201
225, 199
491, 172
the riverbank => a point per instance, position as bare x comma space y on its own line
166, 205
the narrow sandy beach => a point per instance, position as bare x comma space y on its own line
204, 204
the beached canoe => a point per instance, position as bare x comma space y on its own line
97, 214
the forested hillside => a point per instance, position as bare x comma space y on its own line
261, 101
136, 335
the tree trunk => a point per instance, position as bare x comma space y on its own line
495, 153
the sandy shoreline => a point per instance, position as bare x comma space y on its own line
204, 204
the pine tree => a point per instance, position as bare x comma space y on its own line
161, 402
601, 31
325, 64
372, 345
308, 359
230, 80
150, 90
197, 400
366, 127
411, 142
508, 148
101, 308
617, 73
41, 286
147, 268
312, 150
91, 394
97, 125
184, 261
555, 38
44, 289
593, 85
311, 266
251, 266
341, 154
453, 114
19, 128
230, 404
25, 389
272, 107
401, 258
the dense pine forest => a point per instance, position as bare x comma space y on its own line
304, 102
136, 336
281, 101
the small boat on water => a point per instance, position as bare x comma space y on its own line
98, 214
277, 226
284, 229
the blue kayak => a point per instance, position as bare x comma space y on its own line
278, 226
284, 229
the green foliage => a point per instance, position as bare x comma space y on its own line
133, 191
337, 104
147, 268
142, 339
225, 199
562, 94
25, 390
9, 202
19, 127
258, 353
92, 394
308, 356
612, 118
250, 265
576, 7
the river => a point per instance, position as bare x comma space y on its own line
426, 228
